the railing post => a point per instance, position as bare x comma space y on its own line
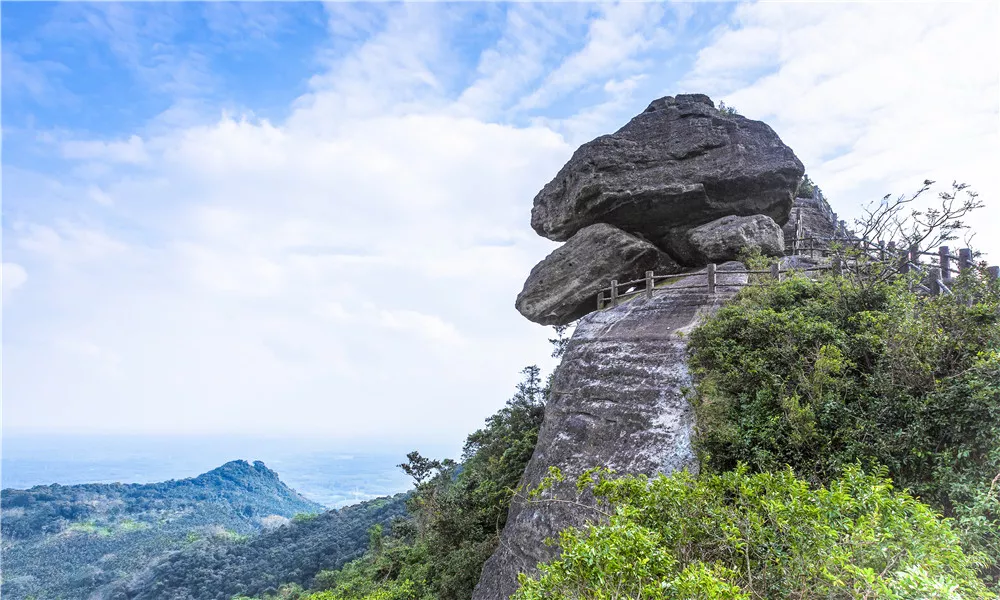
614, 292
915, 254
600, 300
649, 285
776, 271
993, 273
710, 270
944, 261
935, 283
904, 262
964, 259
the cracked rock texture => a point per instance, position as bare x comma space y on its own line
679, 164
563, 287
617, 401
724, 239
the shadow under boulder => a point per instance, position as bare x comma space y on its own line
563, 287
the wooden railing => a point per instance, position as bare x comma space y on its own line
937, 278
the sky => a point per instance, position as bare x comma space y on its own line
302, 219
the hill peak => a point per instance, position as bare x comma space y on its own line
241, 467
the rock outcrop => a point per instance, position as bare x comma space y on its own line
812, 217
681, 185
617, 401
724, 239
679, 164
676, 176
564, 286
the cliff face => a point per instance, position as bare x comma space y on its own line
812, 218
617, 401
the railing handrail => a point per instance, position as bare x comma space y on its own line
937, 275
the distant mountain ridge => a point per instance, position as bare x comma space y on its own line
70, 541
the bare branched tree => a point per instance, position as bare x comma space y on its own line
893, 232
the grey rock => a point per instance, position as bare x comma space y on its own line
564, 285
679, 164
724, 239
617, 400
811, 218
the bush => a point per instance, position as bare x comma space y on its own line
747, 536
821, 374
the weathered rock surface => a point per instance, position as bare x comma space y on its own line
724, 239
679, 164
564, 286
617, 401
811, 218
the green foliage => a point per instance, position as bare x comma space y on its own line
821, 374
806, 187
756, 536
303, 517
68, 541
727, 110
457, 513
275, 563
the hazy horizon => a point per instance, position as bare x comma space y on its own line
325, 471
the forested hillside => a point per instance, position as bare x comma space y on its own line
68, 541
290, 553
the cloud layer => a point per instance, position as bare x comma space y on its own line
346, 267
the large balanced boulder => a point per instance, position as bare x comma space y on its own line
564, 286
724, 239
680, 164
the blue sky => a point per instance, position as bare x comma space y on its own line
306, 218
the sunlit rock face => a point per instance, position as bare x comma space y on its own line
679, 164
618, 401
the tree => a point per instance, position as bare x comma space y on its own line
891, 230
419, 467
560, 342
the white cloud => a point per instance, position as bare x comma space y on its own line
430, 327
99, 196
873, 97
67, 242
355, 264
532, 37
339, 272
14, 276
132, 150
623, 30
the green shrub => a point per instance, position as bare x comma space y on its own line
821, 374
748, 536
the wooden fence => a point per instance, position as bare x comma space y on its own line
937, 278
